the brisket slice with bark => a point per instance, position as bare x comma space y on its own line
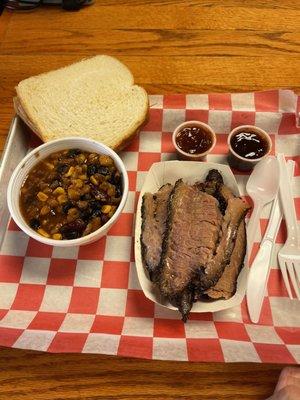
212, 183
154, 215
226, 285
236, 209
192, 233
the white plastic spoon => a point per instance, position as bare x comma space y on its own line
262, 187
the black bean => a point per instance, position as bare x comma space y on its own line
103, 170
104, 218
66, 207
92, 169
85, 215
62, 168
96, 213
70, 235
115, 200
77, 226
54, 184
115, 178
34, 223
118, 191
73, 152
86, 196
95, 205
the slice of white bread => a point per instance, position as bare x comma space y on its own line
94, 98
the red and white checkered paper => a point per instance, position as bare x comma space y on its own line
88, 299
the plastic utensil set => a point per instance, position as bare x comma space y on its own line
289, 255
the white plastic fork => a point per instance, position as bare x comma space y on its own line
289, 254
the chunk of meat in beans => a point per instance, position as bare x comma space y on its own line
71, 194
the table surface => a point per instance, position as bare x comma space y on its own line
189, 46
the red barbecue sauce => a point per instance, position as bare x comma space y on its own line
194, 140
249, 145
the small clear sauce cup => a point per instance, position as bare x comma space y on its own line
183, 155
239, 162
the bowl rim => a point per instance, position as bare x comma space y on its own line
199, 124
253, 128
65, 242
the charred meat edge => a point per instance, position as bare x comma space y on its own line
149, 221
226, 285
212, 182
213, 185
209, 274
223, 288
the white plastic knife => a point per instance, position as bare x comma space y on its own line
259, 271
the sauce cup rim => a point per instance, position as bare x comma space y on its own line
193, 123
253, 128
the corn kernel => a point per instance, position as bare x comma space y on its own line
86, 189
78, 183
112, 211
73, 194
96, 223
106, 209
42, 232
81, 158
111, 191
88, 229
70, 172
92, 157
57, 236
94, 180
42, 196
104, 186
83, 177
53, 203
59, 190
45, 210
62, 198
105, 160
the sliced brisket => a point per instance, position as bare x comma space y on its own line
226, 285
154, 214
189, 248
192, 233
209, 273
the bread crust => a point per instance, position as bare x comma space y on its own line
24, 112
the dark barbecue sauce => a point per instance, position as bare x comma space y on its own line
194, 140
249, 145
